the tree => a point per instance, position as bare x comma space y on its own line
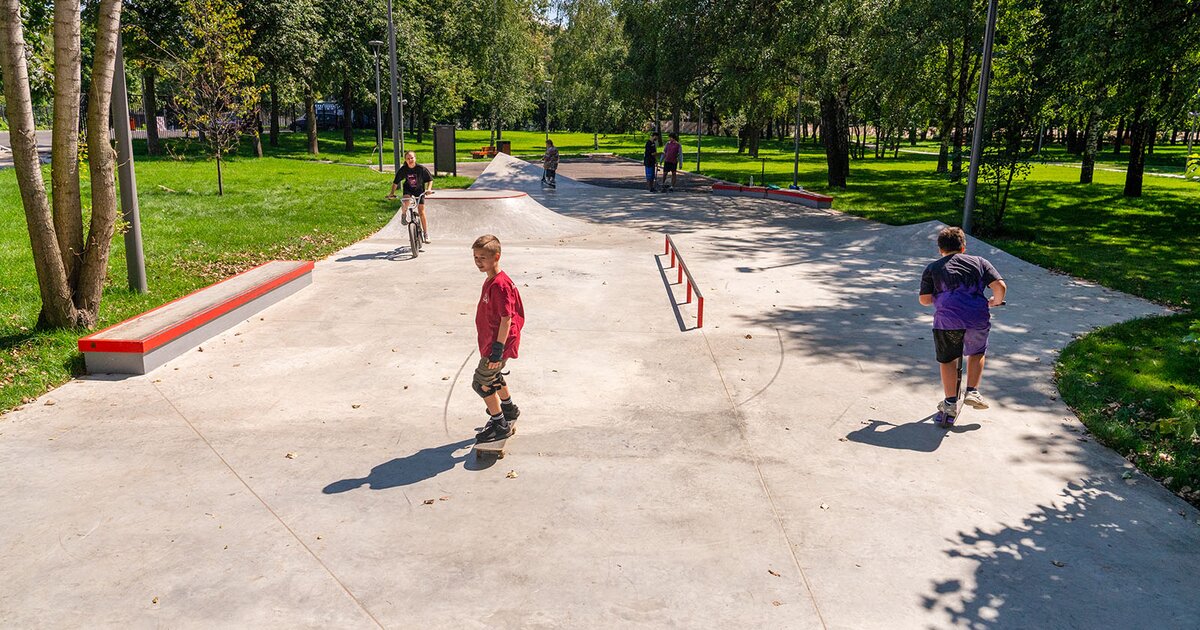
70, 272
586, 57
346, 65
152, 29
286, 39
218, 94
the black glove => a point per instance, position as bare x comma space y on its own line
497, 352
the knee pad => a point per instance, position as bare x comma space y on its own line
484, 390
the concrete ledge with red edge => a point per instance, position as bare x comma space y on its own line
145, 342
803, 197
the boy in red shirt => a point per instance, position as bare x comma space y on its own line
499, 318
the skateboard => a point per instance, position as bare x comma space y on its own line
494, 448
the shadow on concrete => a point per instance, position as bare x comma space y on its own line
405, 471
922, 436
399, 253
1088, 560
667, 284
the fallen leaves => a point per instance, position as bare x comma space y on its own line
1058, 563
773, 572
512, 474
290, 455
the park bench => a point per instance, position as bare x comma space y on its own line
803, 197
483, 152
144, 342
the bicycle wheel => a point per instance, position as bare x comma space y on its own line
414, 239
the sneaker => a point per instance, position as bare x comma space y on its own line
511, 412
495, 431
974, 399
947, 409
425, 239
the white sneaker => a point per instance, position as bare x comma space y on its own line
974, 399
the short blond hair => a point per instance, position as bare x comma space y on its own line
487, 243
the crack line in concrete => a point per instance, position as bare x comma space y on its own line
268, 506
762, 480
446, 408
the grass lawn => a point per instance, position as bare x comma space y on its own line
272, 208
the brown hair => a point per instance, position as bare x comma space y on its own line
952, 239
487, 243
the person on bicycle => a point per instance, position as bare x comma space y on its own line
415, 180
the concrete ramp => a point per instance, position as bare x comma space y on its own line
508, 172
510, 214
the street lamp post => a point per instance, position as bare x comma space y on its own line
395, 92
1192, 134
546, 123
796, 142
375, 44
985, 73
699, 129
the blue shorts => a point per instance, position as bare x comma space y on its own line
649, 173
951, 344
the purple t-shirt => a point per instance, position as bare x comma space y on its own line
957, 282
672, 152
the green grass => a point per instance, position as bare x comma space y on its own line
272, 208
1136, 386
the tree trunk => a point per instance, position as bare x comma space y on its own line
310, 112
836, 136
347, 116
101, 166
57, 307
1139, 129
752, 142
274, 115
150, 104
1151, 138
946, 114
676, 118
960, 105
220, 178
1072, 138
64, 155
258, 132
1092, 134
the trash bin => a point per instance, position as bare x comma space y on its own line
504, 146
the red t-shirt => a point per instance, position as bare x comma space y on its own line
499, 298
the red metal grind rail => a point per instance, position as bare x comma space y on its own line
691, 284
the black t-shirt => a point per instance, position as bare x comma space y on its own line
650, 157
413, 178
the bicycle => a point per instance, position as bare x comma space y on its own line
410, 218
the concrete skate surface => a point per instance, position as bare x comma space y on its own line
776, 468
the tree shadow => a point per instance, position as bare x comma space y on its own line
406, 471
922, 436
1097, 557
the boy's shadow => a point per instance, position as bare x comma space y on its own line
922, 435
405, 471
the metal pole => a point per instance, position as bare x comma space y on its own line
796, 160
547, 121
402, 102
980, 106
135, 261
395, 91
378, 106
699, 129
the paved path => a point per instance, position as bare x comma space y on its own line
776, 468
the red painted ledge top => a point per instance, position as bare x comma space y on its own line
158, 326
801, 193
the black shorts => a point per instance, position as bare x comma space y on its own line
669, 167
949, 345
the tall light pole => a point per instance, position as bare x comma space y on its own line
796, 142
547, 83
395, 104
699, 128
1192, 134
135, 262
980, 105
403, 101
375, 44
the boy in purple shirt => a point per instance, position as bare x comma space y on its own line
954, 286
